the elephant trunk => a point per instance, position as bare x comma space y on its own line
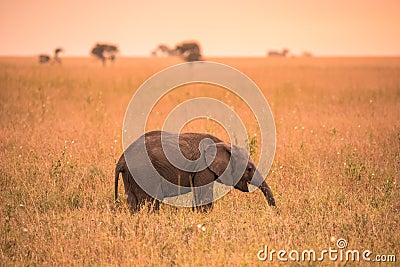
267, 193
259, 181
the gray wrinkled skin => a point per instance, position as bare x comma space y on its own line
207, 159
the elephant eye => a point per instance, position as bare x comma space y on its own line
250, 169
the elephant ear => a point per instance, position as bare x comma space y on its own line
220, 163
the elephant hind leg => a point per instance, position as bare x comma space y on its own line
144, 200
204, 208
133, 202
154, 205
136, 203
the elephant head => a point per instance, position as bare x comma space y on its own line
234, 167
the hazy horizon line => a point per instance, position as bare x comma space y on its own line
211, 56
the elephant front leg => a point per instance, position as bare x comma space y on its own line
203, 187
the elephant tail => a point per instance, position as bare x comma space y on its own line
118, 169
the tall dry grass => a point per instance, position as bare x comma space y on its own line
335, 173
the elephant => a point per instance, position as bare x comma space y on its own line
148, 160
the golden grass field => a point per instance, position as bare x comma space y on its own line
335, 172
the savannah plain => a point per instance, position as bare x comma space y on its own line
335, 172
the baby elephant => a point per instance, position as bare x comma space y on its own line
166, 164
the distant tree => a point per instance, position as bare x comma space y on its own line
104, 52
274, 53
188, 51
163, 50
306, 54
43, 58
57, 58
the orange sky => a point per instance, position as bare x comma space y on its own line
224, 28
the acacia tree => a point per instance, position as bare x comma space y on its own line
104, 52
187, 50
57, 58
44, 58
